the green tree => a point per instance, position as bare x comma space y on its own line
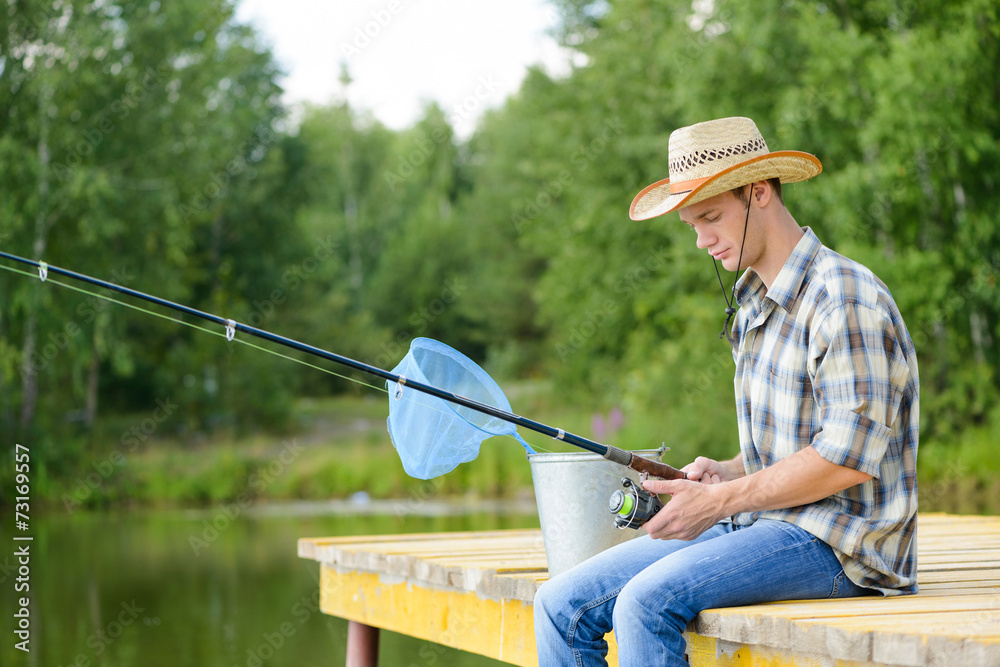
129, 130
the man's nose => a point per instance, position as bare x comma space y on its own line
704, 238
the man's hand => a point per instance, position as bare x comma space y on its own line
709, 471
694, 507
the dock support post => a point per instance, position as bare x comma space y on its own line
362, 645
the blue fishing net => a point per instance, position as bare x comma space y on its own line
432, 435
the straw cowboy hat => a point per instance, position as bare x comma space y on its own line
709, 158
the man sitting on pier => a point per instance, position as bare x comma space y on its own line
821, 502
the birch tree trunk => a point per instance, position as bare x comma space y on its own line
29, 373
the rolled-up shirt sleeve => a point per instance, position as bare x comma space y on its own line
855, 364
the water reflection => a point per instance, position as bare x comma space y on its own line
209, 588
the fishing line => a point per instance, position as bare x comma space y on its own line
242, 341
195, 326
623, 457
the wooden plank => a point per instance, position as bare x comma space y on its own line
984, 531
392, 560
960, 588
978, 526
377, 558
892, 639
954, 519
979, 546
309, 545
936, 576
773, 624
481, 536
712, 652
479, 557
985, 559
437, 549
984, 651
416, 537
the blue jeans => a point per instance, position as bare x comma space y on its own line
649, 590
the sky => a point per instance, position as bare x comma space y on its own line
467, 55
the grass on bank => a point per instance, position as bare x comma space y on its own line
338, 447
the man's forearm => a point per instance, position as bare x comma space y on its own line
799, 479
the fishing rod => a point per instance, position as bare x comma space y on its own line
609, 452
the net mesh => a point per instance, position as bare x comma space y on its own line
433, 436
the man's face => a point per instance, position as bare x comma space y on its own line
719, 222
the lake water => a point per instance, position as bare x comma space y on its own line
168, 588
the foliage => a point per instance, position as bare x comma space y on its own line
149, 147
140, 146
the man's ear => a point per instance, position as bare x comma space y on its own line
761, 192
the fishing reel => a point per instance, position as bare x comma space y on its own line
632, 505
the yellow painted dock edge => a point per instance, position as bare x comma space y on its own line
711, 652
460, 619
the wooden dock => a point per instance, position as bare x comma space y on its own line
473, 591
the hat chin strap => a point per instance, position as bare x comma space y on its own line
730, 310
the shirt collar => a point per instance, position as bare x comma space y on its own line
750, 289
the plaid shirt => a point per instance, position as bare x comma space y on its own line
823, 358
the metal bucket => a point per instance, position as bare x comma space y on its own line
572, 492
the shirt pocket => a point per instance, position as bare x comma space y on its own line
790, 382
793, 408
788, 373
